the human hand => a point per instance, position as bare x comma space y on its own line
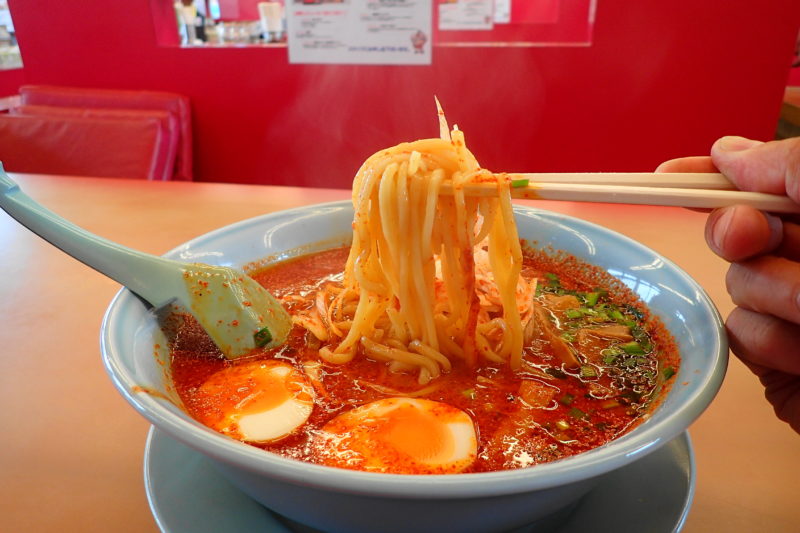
764, 250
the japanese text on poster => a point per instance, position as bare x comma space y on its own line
369, 32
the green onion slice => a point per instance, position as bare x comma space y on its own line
633, 348
262, 337
591, 298
576, 413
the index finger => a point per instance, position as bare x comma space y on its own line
688, 164
771, 167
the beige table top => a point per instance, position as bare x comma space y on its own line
71, 448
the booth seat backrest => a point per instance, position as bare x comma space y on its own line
82, 146
175, 104
170, 134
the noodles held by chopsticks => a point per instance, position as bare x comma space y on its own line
418, 291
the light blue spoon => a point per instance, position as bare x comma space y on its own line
237, 313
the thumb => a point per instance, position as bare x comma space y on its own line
771, 167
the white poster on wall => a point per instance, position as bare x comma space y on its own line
502, 11
366, 32
466, 15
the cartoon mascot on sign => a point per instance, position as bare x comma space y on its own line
418, 40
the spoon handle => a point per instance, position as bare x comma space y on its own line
148, 275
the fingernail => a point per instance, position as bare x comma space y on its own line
733, 143
720, 227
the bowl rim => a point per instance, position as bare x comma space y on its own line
645, 438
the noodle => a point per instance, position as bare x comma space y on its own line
417, 290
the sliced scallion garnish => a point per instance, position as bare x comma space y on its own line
633, 348
262, 337
591, 298
576, 413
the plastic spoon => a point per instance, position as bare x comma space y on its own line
237, 313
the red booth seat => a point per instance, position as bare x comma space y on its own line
86, 146
92, 101
169, 134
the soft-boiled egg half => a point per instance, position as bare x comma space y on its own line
400, 436
257, 401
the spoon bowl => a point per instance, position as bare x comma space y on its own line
238, 314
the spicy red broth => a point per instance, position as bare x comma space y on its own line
541, 413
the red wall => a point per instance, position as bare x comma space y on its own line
662, 79
10, 80
794, 76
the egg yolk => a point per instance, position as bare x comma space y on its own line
416, 433
257, 401
400, 435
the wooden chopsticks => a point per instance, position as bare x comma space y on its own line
697, 190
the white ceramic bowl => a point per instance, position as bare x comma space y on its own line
348, 501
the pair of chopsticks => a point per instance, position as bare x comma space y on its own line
697, 190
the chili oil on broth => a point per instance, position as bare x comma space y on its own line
544, 412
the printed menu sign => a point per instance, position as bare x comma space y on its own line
367, 32
502, 11
466, 15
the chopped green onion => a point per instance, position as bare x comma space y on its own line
576, 413
591, 298
637, 314
588, 371
633, 348
610, 404
638, 333
616, 315
610, 358
611, 354
668, 372
612, 350
567, 399
469, 394
569, 337
573, 313
519, 183
262, 337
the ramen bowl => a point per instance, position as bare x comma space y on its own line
136, 357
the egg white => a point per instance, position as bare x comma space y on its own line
243, 420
